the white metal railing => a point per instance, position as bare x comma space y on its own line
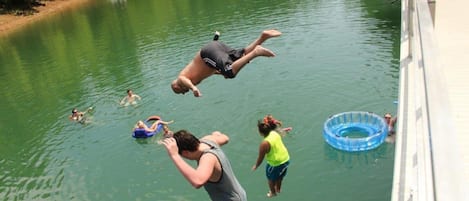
427, 163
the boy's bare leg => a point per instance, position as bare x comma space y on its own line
258, 51
272, 191
266, 34
278, 186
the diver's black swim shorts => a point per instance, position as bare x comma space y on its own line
219, 56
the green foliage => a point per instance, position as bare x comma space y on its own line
19, 7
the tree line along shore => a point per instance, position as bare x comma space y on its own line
14, 14
19, 7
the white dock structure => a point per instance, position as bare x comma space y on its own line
432, 140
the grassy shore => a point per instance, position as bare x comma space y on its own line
10, 23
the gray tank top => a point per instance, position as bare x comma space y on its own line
228, 187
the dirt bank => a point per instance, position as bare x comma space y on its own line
11, 23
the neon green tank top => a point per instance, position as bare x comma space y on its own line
278, 153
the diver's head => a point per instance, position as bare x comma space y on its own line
177, 88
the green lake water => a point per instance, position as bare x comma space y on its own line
334, 56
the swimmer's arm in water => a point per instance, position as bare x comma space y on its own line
184, 81
86, 111
123, 100
138, 97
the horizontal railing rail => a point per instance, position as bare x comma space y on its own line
427, 163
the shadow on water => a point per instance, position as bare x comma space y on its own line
351, 160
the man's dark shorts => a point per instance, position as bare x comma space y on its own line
220, 57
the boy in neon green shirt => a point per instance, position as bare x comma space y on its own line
276, 154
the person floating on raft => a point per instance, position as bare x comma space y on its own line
142, 130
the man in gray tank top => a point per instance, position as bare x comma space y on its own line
213, 171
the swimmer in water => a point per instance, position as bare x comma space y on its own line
79, 116
131, 98
391, 122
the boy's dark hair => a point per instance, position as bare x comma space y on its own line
186, 141
265, 128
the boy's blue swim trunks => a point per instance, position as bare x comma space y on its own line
277, 172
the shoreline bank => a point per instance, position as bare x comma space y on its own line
11, 23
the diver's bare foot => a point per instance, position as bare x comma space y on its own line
271, 33
261, 51
270, 194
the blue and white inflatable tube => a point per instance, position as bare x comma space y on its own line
141, 133
372, 126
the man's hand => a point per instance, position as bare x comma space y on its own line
187, 84
196, 92
171, 146
254, 167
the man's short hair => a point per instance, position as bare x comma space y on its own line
186, 141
